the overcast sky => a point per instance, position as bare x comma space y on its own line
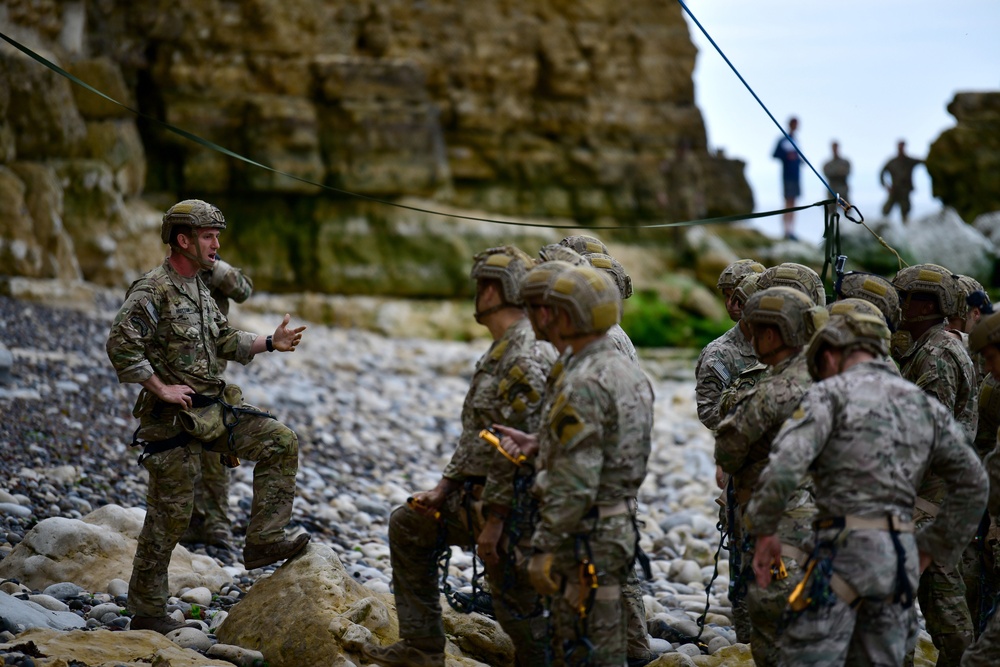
865, 72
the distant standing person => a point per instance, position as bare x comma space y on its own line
836, 171
900, 185
790, 160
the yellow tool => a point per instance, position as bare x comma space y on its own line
778, 570
799, 600
420, 507
490, 436
588, 582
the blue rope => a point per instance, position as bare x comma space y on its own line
843, 202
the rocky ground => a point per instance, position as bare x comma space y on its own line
377, 419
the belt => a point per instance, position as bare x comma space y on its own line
852, 522
926, 506
605, 511
838, 584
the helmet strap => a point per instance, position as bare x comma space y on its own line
481, 314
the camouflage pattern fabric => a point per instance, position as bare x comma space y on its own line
169, 326
623, 343
718, 367
593, 447
744, 382
211, 491
984, 652
507, 388
742, 446
868, 437
940, 365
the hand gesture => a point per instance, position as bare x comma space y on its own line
285, 339
767, 551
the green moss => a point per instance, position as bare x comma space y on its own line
651, 322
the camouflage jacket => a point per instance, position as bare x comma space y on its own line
623, 343
227, 282
939, 364
718, 367
170, 326
868, 437
507, 388
989, 416
594, 442
743, 439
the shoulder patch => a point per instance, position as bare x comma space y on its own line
721, 370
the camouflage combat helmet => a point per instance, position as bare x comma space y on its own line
584, 244
788, 309
874, 289
193, 213
733, 274
615, 270
854, 305
746, 288
560, 253
797, 276
589, 296
931, 279
535, 283
987, 332
849, 330
965, 286
505, 264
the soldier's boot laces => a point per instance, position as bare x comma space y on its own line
422, 652
259, 555
162, 624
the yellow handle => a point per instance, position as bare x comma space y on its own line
491, 437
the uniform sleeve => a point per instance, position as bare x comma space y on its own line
231, 344
953, 460
573, 470
797, 445
750, 419
133, 327
519, 396
940, 380
231, 281
992, 465
711, 378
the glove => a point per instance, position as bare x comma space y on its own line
541, 576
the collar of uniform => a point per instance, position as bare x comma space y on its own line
920, 342
596, 347
785, 363
182, 283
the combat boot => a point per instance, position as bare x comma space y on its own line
421, 652
259, 555
162, 624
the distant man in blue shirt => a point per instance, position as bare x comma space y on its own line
785, 151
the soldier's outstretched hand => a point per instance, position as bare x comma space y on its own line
285, 339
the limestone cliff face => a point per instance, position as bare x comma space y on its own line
573, 109
964, 162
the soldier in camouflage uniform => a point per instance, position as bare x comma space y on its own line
867, 437
507, 388
210, 518
722, 360
985, 340
639, 652
937, 362
781, 320
169, 336
592, 449
749, 376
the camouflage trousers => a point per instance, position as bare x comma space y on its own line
211, 495
765, 611
981, 581
637, 632
170, 501
414, 544
946, 613
876, 633
986, 649
601, 636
